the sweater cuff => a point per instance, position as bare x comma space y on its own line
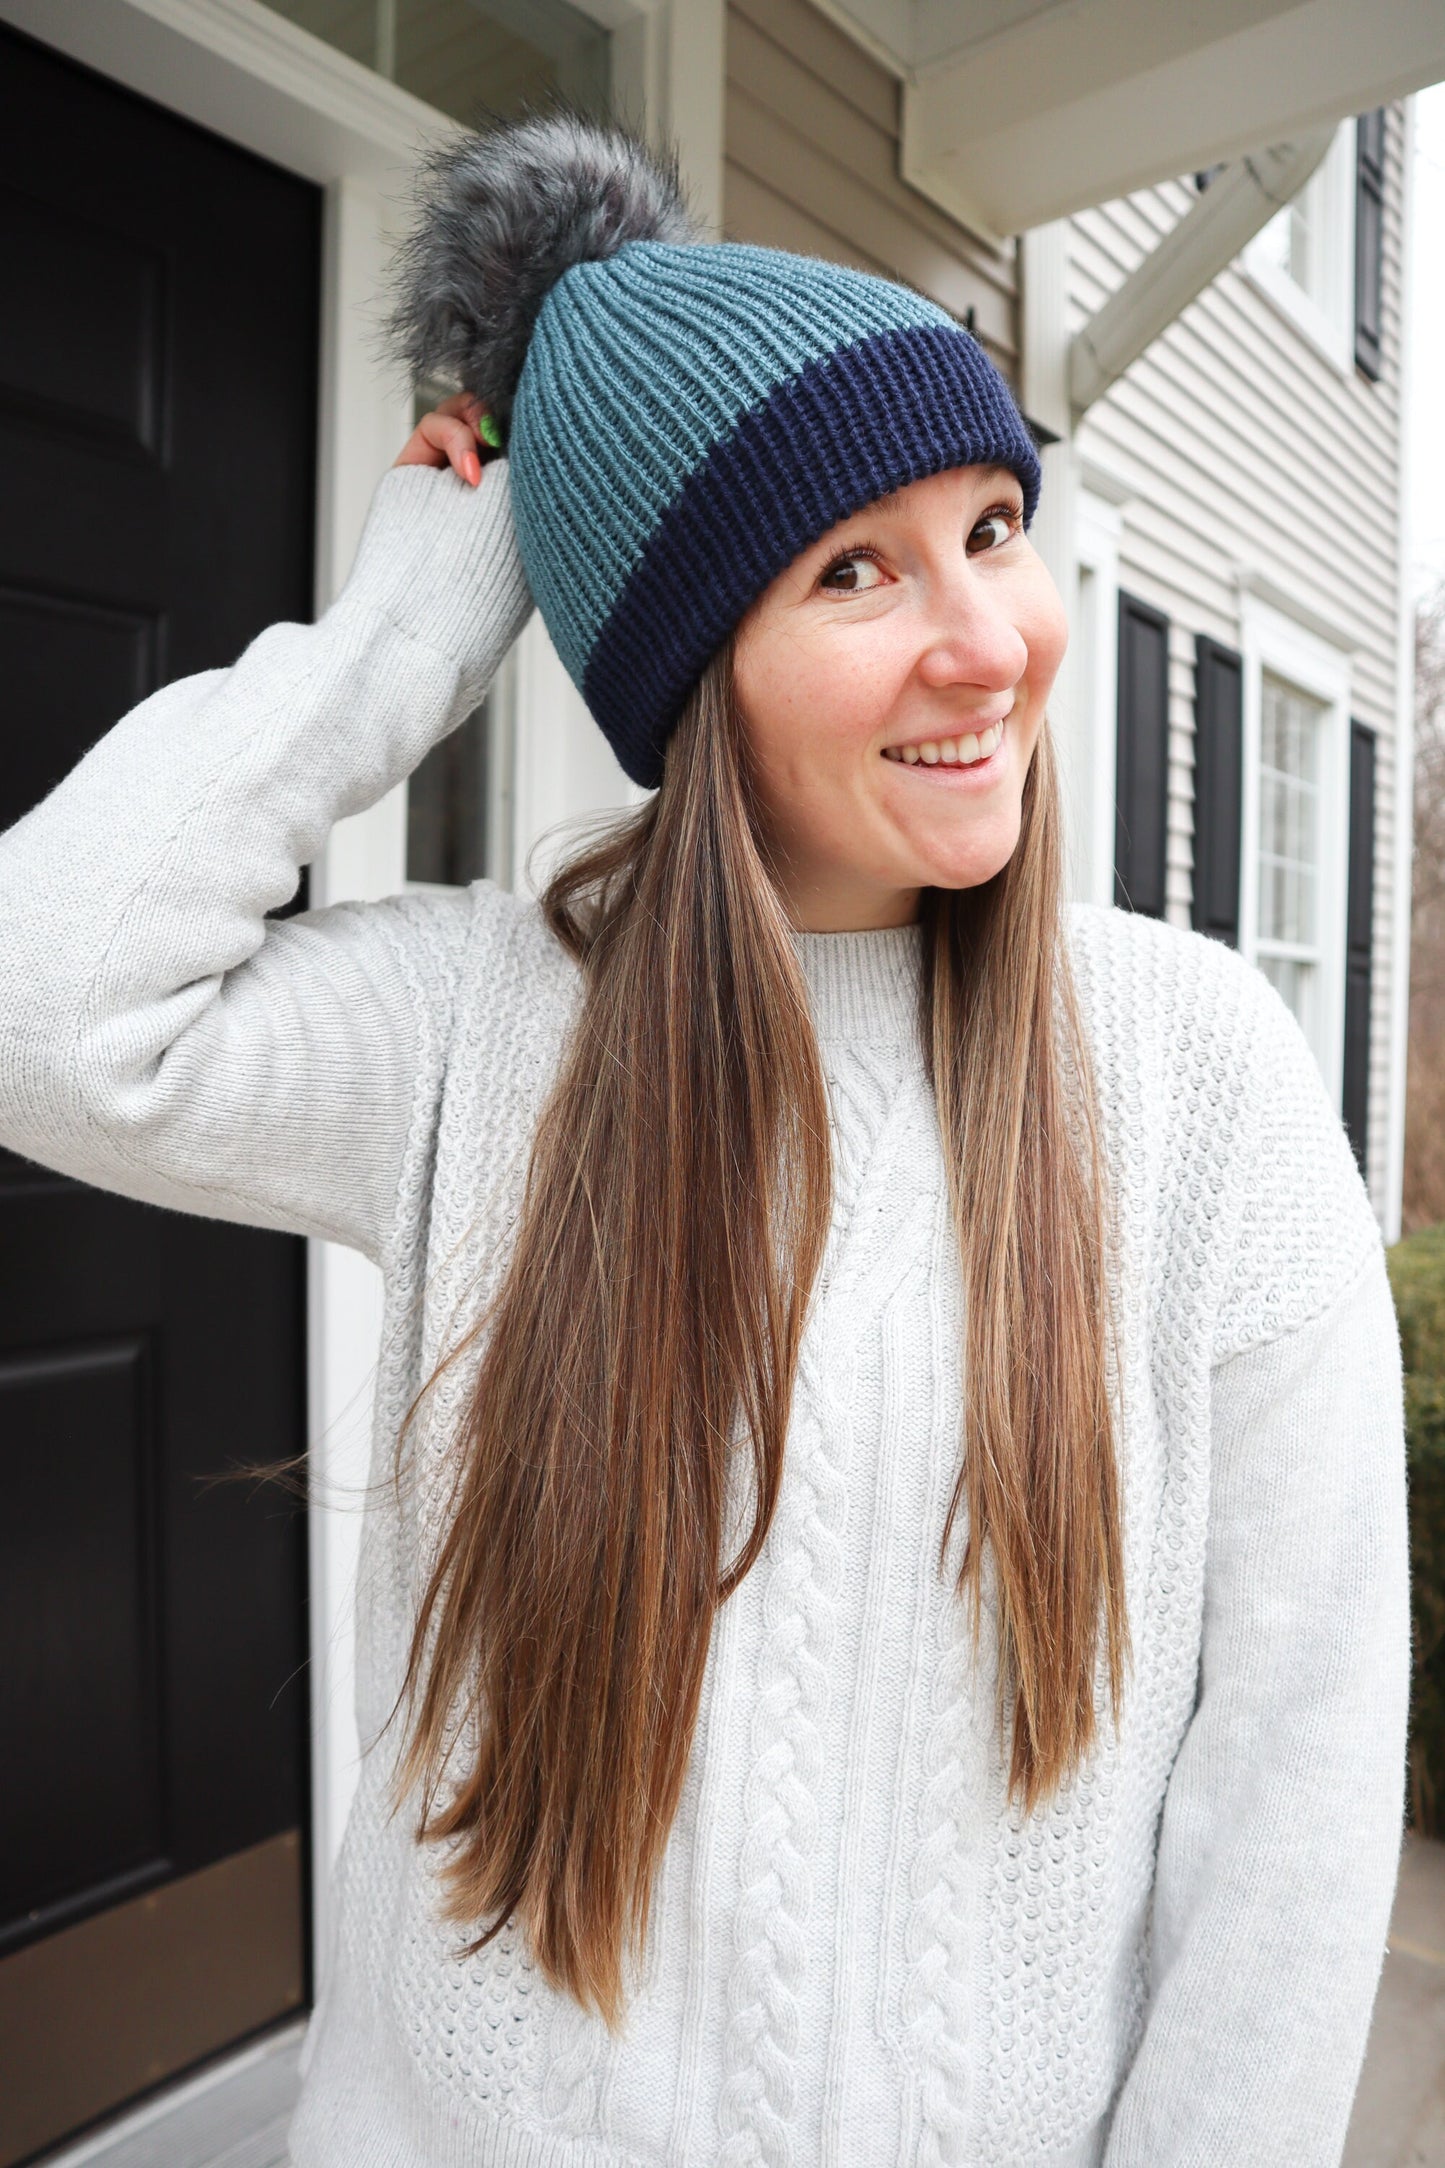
439, 559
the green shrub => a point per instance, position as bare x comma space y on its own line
1417, 1276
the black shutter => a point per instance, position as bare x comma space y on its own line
1369, 223
1141, 784
1218, 769
1359, 937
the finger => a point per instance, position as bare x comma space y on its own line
441, 440
471, 410
457, 442
463, 403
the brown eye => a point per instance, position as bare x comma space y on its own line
851, 575
995, 527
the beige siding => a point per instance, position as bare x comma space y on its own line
812, 165
1241, 442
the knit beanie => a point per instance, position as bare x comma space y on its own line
681, 417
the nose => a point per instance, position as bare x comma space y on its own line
972, 638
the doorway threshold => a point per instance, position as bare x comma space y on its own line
231, 2115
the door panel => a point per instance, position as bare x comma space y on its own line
70, 668
158, 361
78, 1604
85, 352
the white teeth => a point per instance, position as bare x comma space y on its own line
949, 752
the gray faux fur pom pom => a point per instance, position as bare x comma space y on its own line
504, 214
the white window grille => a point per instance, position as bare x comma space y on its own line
1294, 870
1287, 936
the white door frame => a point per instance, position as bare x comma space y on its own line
243, 71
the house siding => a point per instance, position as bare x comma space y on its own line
811, 164
1242, 443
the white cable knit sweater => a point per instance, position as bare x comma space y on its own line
861, 1955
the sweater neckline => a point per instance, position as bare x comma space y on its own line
863, 986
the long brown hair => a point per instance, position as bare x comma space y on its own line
649, 1323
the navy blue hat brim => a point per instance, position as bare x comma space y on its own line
844, 431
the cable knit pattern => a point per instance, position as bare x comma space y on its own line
860, 1952
757, 2111
940, 1938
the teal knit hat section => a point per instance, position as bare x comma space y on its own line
638, 366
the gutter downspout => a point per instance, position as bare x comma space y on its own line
1207, 238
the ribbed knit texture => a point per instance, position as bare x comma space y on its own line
689, 417
861, 1953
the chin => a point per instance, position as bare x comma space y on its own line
968, 868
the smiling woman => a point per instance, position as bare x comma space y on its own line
883, 1628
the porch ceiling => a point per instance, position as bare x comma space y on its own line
1018, 111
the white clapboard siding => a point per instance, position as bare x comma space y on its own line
812, 164
1239, 440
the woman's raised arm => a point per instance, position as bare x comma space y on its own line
159, 1035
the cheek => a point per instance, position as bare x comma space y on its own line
807, 706
1045, 631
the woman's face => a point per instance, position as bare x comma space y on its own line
913, 635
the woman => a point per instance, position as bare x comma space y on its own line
888, 1637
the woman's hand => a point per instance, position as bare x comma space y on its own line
451, 435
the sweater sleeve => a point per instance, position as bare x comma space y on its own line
1280, 1835
161, 1036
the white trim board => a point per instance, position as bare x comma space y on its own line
1269, 592
1402, 868
238, 68
232, 2114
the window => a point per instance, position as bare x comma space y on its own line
459, 799
467, 57
1287, 933
1304, 258
1295, 859
500, 796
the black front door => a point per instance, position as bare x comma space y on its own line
159, 295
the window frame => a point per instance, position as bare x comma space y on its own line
1277, 643
499, 839
1328, 322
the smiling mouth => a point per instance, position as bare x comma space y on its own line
968, 751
